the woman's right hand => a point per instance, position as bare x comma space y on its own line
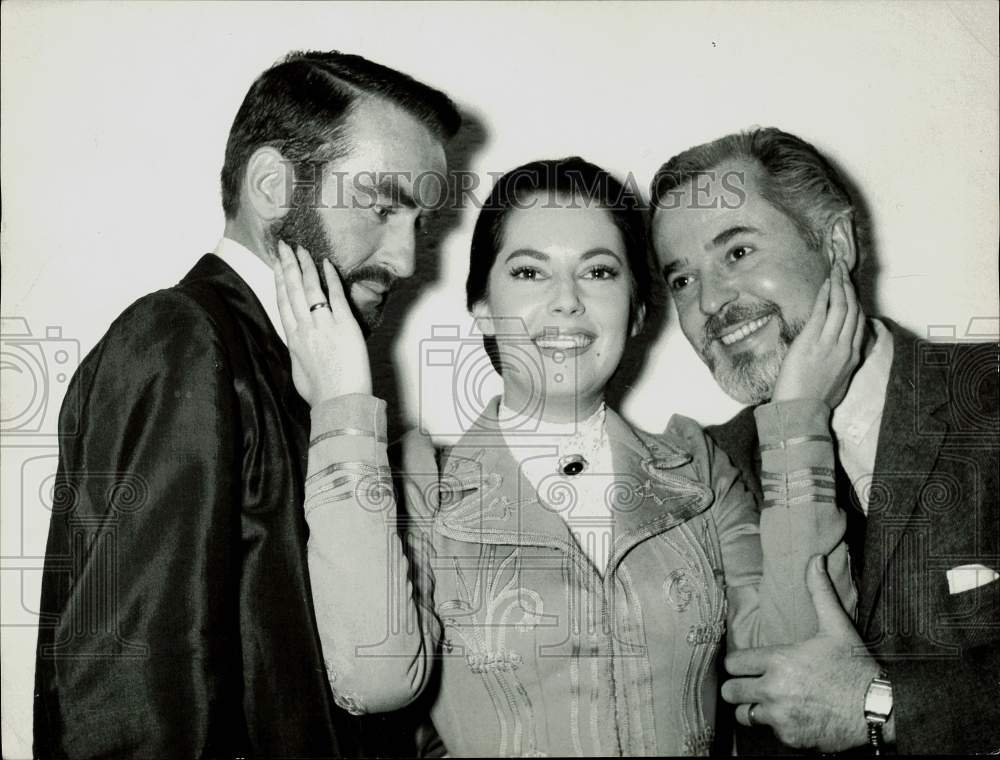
823, 357
329, 355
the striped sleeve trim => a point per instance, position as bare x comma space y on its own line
808, 485
795, 441
347, 431
360, 468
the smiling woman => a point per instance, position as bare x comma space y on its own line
558, 268
574, 575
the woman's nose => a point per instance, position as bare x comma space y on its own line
566, 298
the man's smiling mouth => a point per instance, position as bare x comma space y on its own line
744, 331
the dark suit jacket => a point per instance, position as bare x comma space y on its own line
933, 506
176, 616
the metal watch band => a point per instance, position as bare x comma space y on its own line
878, 707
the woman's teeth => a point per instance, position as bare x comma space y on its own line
748, 329
564, 342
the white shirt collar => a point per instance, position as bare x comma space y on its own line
256, 274
865, 398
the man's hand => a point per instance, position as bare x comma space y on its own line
329, 355
812, 694
822, 358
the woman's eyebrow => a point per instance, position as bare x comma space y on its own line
601, 252
531, 253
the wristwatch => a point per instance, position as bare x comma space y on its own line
878, 706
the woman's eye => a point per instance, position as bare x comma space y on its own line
382, 212
740, 251
525, 273
601, 272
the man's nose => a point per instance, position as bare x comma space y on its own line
399, 251
716, 292
566, 297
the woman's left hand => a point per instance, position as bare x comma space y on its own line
329, 355
823, 357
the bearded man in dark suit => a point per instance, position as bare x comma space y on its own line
747, 229
176, 607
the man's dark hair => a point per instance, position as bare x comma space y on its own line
299, 107
795, 178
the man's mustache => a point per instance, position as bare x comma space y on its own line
719, 323
372, 273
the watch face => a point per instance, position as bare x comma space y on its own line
878, 700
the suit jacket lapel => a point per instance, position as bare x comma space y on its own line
910, 438
222, 280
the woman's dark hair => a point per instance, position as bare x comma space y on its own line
575, 182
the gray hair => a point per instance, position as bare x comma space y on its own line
795, 178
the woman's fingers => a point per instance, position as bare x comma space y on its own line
854, 314
310, 281
859, 334
335, 288
293, 283
284, 307
837, 312
814, 325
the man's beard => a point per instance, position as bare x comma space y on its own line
747, 376
302, 226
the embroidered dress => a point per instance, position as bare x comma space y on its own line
582, 500
532, 650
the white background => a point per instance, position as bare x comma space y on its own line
115, 119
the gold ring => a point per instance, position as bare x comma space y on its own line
750, 718
321, 305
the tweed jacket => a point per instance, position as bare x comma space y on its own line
525, 648
933, 508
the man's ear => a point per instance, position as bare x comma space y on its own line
638, 320
267, 184
840, 241
483, 317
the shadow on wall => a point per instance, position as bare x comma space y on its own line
382, 343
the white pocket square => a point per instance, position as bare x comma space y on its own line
968, 577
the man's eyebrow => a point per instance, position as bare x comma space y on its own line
726, 235
601, 252
673, 266
527, 252
389, 186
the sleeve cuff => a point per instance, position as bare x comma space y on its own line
781, 421
355, 413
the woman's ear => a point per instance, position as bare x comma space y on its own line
484, 318
840, 242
